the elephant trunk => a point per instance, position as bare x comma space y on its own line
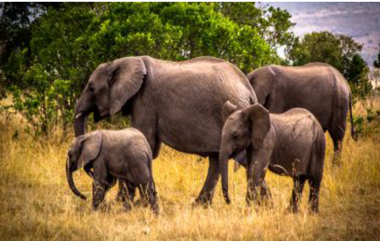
223, 161
70, 180
83, 108
79, 124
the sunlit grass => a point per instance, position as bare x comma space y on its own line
36, 203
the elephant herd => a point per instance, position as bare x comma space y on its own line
274, 118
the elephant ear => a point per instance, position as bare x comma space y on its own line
125, 80
90, 148
262, 81
259, 121
228, 109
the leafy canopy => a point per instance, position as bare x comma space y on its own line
50, 50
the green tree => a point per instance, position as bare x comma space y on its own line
357, 74
16, 23
176, 32
273, 24
66, 42
340, 51
43, 76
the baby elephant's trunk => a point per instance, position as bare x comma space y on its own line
70, 180
223, 160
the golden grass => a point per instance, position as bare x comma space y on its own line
36, 203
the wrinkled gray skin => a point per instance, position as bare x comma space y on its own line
176, 103
317, 87
123, 154
292, 143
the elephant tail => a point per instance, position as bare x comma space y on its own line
353, 134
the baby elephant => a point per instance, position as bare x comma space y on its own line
292, 143
123, 154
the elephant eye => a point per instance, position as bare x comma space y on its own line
91, 87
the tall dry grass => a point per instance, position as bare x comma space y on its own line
36, 203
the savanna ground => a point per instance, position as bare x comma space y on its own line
36, 203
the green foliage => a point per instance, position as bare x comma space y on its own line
273, 24
53, 48
369, 124
357, 75
340, 51
44, 75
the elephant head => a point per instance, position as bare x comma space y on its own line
84, 149
241, 129
262, 81
109, 88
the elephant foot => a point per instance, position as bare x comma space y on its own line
204, 201
313, 210
156, 209
141, 203
292, 209
252, 198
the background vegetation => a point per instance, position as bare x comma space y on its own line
48, 51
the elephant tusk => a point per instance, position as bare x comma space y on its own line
79, 115
271, 70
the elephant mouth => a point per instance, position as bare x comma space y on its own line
233, 155
97, 115
241, 158
100, 113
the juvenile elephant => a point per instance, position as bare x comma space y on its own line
176, 103
123, 154
292, 143
317, 87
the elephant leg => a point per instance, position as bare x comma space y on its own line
207, 192
256, 172
337, 135
255, 175
126, 191
146, 122
299, 183
265, 192
314, 184
337, 131
143, 190
337, 151
130, 195
122, 194
152, 196
102, 183
149, 196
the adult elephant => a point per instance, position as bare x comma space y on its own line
317, 87
176, 103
